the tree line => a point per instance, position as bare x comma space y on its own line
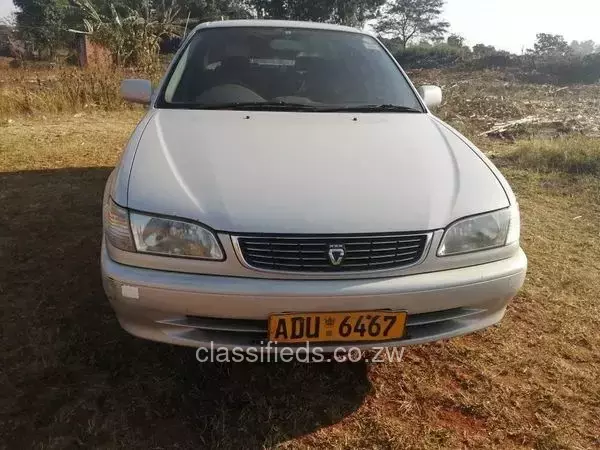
413, 29
550, 60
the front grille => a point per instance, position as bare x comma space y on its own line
312, 253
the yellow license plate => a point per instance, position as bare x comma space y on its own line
336, 327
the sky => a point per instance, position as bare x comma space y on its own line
512, 24
6, 7
507, 24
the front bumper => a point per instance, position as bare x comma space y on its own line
195, 310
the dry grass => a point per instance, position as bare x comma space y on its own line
576, 155
71, 377
27, 91
476, 101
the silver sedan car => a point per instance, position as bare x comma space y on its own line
288, 184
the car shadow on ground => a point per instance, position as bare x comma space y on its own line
71, 376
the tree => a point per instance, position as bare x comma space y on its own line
350, 12
550, 45
482, 50
199, 10
42, 23
410, 19
455, 40
5, 39
584, 48
206, 10
355, 12
133, 38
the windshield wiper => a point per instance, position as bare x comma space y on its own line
372, 108
260, 106
292, 106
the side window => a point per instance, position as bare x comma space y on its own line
177, 74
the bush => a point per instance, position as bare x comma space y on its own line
429, 57
571, 69
545, 69
496, 60
561, 70
556, 69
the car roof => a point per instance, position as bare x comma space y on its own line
277, 24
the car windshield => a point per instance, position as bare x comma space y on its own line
286, 68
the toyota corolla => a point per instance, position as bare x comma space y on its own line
289, 184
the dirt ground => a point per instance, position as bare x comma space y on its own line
70, 377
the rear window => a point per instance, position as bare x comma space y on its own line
254, 64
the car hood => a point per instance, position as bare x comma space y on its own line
287, 172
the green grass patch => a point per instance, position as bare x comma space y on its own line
573, 155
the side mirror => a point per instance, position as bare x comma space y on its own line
431, 95
136, 91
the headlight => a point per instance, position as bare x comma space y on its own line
172, 237
116, 226
482, 232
